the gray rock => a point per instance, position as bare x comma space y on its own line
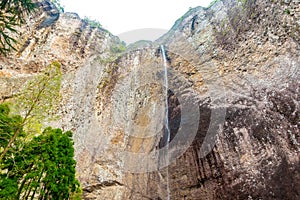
227, 77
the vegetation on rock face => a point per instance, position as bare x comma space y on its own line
37, 102
42, 167
118, 48
39, 99
58, 5
12, 13
92, 23
36, 164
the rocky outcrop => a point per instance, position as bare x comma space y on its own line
233, 102
242, 62
53, 36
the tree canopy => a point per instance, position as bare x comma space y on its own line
40, 168
37, 101
36, 163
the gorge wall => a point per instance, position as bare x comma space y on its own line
233, 101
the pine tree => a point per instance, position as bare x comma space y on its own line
41, 168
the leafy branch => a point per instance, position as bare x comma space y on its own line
12, 15
38, 100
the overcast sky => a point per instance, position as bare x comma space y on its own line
120, 16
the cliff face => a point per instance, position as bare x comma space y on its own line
233, 102
52, 36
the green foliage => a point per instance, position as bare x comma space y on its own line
58, 5
287, 11
39, 99
92, 22
77, 194
41, 168
8, 126
12, 13
118, 48
36, 103
115, 50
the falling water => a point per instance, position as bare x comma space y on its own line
166, 117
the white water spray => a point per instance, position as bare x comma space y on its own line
166, 117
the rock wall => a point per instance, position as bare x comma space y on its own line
241, 61
233, 102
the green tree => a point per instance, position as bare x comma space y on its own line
37, 102
42, 168
8, 125
12, 15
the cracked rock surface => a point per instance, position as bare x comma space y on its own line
233, 72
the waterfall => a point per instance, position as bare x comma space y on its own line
166, 117
166, 94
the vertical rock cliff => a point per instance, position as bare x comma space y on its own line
233, 101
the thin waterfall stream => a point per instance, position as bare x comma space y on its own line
165, 63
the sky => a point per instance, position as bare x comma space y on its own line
123, 17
